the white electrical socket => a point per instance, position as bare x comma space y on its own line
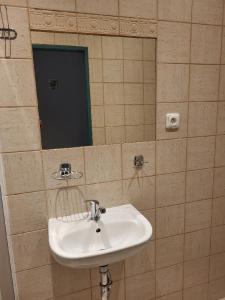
172, 121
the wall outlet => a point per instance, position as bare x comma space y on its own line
172, 121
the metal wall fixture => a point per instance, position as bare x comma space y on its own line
6, 33
139, 161
106, 282
65, 172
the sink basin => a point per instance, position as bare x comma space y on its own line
121, 232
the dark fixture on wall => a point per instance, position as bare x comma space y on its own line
62, 82
6, 33
53, 84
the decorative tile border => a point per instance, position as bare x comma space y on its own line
52, 21
97, 24
138, 27
44, 20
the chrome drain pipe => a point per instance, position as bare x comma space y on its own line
106, 282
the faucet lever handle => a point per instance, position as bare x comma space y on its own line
96, 202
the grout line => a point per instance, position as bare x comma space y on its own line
143, 82
192, 63
118, 180
187, 133
124, 106
190, 22
146, 210
16, 58
217, 114
156, 140
156, 239
103, 86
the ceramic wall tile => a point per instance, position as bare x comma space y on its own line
217, 240
207, 12
69, 39
172, 82
94, 44
169, 221
42, 37
197, 244
142, 285
217, 266
170, 156
162, 110
200, 152
140, 192
102, 163
173, 42
130, 150
198, 215
31, 250
17, 83
112, 47
35, 283
142, 262
68, 5
220, 152
98, 7
19, 129
52, 160
33, 206
196, 272
170, 189
67, 281
221, 118
175, 10
169, 251
204, 82
205, 44
18, 19
30, 179
217, 289
199, 185
219, 188
141, 9
202, 119
218, 214
169, 280
199, 292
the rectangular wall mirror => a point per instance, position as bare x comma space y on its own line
100, 90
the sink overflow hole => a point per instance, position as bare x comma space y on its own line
98, 230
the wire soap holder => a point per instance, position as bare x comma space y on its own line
65, 172
69, 204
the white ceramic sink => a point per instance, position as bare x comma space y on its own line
124, 231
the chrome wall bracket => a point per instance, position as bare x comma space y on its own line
8, 34
65, 172
139, 161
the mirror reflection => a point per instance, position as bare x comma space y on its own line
100, 90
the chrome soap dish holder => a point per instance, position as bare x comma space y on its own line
65, 172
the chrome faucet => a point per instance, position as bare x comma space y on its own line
96, 210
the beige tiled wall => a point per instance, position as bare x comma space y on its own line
181, 190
